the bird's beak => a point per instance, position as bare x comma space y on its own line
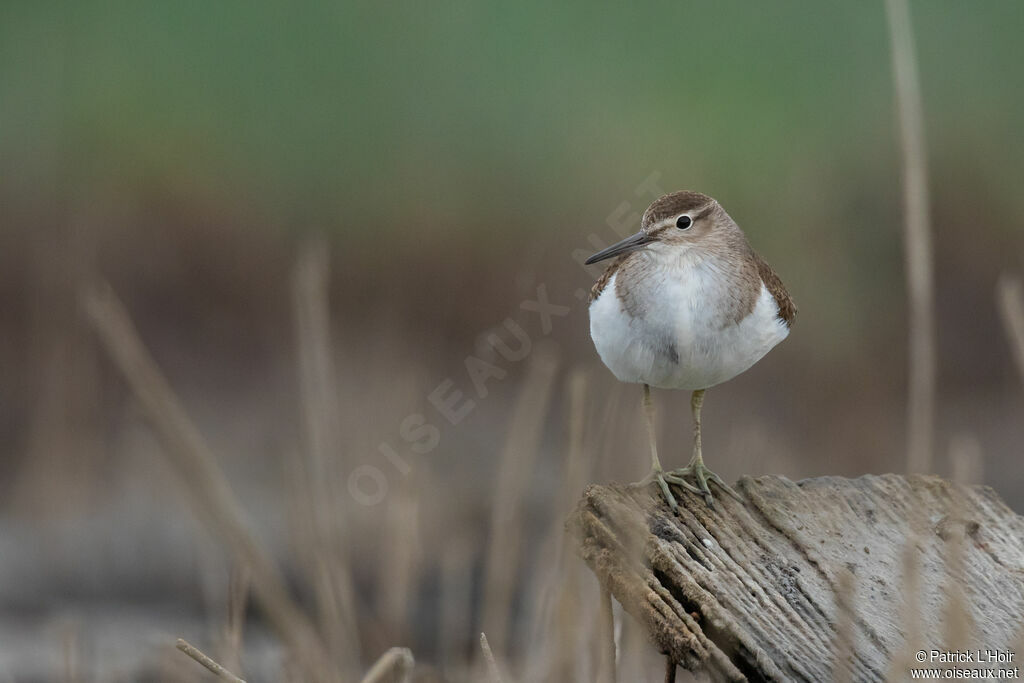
631, 243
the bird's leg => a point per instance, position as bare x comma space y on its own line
657, 473
696, 468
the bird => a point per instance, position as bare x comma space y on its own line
685, 304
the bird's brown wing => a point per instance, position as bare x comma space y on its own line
606, 277
787, 307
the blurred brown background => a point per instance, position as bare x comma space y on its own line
452, 159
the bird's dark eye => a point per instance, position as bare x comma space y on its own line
683, 222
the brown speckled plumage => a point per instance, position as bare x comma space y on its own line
671, 205
749, 273
606, 276
787, 307
745, 267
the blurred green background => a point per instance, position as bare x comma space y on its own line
454, 155
475, 132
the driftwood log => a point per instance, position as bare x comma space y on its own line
817, 580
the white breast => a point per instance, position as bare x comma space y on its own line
681, 341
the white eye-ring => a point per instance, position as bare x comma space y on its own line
683, 222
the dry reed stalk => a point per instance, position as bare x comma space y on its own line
917, 240
544, 588
234, 625
957, 614
405, 518
902, 661
967, 462
64, 439
328, 564
72, 651
307, 542
1017, 644
310, 284
205, 660
559, 639
516, 466
202, 480
577, 466
844, 647
1010, 297
493, 672
670, 670
611, 421
456, 599
557, 609
606, 644
401, 555
394, 666
634, 648
965, 457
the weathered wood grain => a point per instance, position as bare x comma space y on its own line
748, 591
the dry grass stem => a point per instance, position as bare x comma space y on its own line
516, 466
612, 421
606, 645
328, 564
958, 626
64, 444
917, 240
576, 469
967, 462
492, 665
203, 481
394, 666
557, 618
205, 660
911, 589
1016, 644
965, 456
238, 598
398, 570
456, 602
846, 618
72, 651
1010, 296
670, 670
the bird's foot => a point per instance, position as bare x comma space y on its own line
658, 475
699, 472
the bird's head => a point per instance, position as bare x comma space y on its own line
681, 218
